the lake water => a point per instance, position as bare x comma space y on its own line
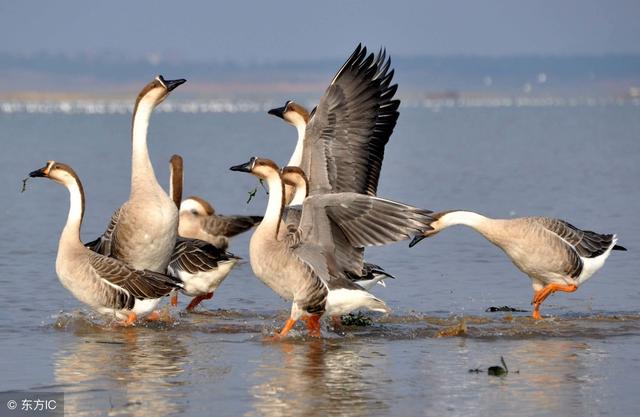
579, 163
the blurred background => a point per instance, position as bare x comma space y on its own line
458, 50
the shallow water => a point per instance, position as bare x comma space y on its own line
577, 163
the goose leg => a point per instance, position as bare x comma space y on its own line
287, 327
174, 298
153, 316
313, 325
198, 299
131, 319
542, 295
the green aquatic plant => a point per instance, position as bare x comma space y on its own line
356, 320
498, 370
24, 185
505, 309
253, 192
494, 370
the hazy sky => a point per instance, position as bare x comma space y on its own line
272, 29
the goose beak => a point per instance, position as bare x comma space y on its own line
170, 85
416, 240
428, 232
279, 112
42, 172
246, 167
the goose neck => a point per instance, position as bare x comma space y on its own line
296, 158
271, 221
71, 232
141, 169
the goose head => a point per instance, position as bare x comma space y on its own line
295, 177
292, 113
196, 206
260, 167
158, 90
58, 172
439, 223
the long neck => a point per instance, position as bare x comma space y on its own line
467, 218
270, 224
175, 186
141, 168
71, 231
296, 158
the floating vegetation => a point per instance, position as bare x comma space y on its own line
496, 370
504, 309
356, 320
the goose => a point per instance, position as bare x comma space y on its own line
107, 285
303, 265
556, 255
142, 232
295, 177
198, 220
341, 142
199, 265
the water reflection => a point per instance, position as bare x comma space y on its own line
554, 377
316, 378
121, 371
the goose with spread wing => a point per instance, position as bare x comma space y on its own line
303, 265
341, 142
107, 285
556, 255
371, 274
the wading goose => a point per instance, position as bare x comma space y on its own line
198, 220
303, 266
341, 142
294, 177
142, 232
199, 265
556, 255
107, 285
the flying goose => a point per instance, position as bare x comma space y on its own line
303, 265
107, 285
199, 265
556, 255
142, 232
341, 142
198, 220
295, 177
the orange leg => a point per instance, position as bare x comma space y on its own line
174, 299
153, 316
198, 299
131, 319
313, 325
542, 295
287, 326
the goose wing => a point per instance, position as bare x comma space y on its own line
104, 244
193, 256
229, 226
586, 243
365, 220
141, 284
348, 130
